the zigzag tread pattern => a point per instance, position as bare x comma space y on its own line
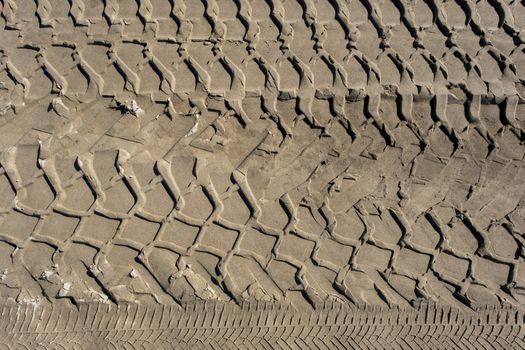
258, 326
217, 218
287, 153
332, 48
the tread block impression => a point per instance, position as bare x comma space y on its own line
262, 174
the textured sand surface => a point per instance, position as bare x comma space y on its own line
333, 174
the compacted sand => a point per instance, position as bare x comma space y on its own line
262, 174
